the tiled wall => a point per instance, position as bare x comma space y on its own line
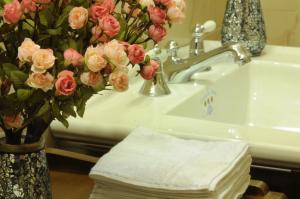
282, 18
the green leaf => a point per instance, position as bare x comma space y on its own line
46, 16
5, 28
9, 105
43, 110
8, 1
43, 37
57, 114
43, 18
69, 110
28, 26
123, 29
63, 121
147, 59
73, 44
63, 44
82, 3
81, 109
63, 17
84, 93
56, 31
8, 68
99, 87
24, 94
18, 78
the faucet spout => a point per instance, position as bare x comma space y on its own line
174, 64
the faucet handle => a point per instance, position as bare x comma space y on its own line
196, 44
172, 48
208, 26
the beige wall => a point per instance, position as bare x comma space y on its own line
282, 18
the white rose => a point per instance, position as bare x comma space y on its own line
180, 4
116, 54
94, 58
40, 80
43, 59
146, 3
26, 50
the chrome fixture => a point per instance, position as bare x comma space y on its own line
156, 86
175, 65
196, 44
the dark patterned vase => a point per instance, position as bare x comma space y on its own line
243, 22
24, 172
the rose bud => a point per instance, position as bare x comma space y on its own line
136, 53
157, 32
73, 57
148, 71
15, 121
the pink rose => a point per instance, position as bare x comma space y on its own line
78, 17
12, 12
73, 57
42, 59
175, 15
29, 6
109, 4
42, 81
148, 71
157, 15
15, 121
157, 32
94, 58
115, 53
119, 80
98, 11
42, 1
65, 84
110, 25
136, 53
91, 79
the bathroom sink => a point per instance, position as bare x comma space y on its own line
258, 103
261, 93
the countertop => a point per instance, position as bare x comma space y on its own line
110, 116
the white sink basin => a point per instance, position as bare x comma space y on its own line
261, 93
258, 103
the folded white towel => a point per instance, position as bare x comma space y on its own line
154, 160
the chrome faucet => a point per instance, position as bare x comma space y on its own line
179, 69
175, 65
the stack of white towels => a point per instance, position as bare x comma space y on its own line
151, 165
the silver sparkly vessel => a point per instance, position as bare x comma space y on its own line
24, 172
244, 23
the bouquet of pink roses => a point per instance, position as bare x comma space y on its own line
55, 54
